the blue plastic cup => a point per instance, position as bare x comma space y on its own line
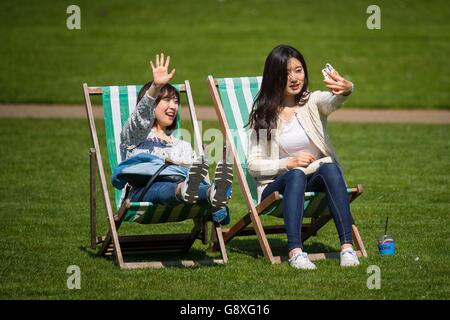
386, 245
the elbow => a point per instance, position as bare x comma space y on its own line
251, 168
255, 168
262, 169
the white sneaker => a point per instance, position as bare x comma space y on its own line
220, 191
300, 260
197, 172
349, 258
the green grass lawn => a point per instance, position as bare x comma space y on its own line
405, 171
403, 65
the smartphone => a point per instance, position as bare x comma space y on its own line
325, 74
329, 68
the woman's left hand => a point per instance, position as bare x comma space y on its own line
338, 85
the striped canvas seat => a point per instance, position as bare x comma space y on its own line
237, 96
118, 104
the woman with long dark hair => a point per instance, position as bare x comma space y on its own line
289, 150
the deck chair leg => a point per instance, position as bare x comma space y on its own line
204, 232
200, 229
217, 241
257, 226
238, 226
246, 219
358, 241
313, 221
262, 238
195, 232
93, 202
117, 222
101, 172
221, 243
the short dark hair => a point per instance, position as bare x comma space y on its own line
166, 91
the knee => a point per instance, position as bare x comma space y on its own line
329, 169
295, 176
330, 172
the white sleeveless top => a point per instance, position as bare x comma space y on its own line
294, 139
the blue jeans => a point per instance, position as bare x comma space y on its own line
293, 184
164, 192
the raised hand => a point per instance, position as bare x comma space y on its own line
160, 70
337, 84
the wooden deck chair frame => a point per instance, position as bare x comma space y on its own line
240, 228
112, 243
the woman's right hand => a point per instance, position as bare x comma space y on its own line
301, 159
160, 70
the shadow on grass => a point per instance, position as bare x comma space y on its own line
252, 248
202, 258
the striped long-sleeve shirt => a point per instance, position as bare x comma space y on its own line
137, 136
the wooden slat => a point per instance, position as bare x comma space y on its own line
117, 223
279, 229
155, 237
93, 199
359, 244
163, 264
98, 90
221, 242
267, 229
95, 90
101, 172
253, 214
246, 219
167, 243
146, 251
267, 202
315, 226
197, 134
212, 87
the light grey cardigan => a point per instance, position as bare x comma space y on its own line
137, 136
263, 161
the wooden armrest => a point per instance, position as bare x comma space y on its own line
274, 196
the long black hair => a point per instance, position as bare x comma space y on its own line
266, 108
166, 91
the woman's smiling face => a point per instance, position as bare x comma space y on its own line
295, 78
166, 110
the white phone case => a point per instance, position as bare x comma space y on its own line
329, 67
325, 74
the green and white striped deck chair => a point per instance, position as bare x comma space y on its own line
233, 100
118, 104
